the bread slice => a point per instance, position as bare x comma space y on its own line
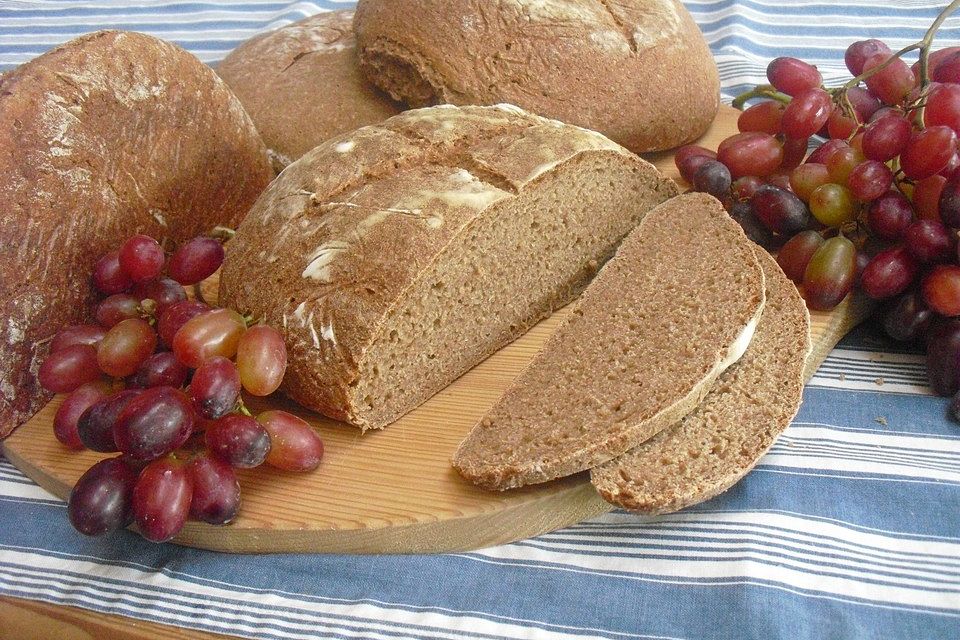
641, 348
716, 445
398, 256
301, 84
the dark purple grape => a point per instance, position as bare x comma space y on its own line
161, 499
216, 491
116, 308
712, 177
238, 440
889, 273
196, 260
101, 501
929, 241
64, 370
779, 210
89, 334
889, 215
95, 425
795, 255
155, 423
159, 370
141, 257
109, 277
689, 166
743, 215
907, 318
943, 357
69, 412
215, 387
950, 202
163, 291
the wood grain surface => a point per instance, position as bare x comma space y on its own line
393, 491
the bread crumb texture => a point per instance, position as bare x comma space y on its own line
397, 256
718, 443
640, 350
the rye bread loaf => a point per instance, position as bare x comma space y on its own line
301, 85
712, 448
397, 257
108, 135
640, 350
638, 71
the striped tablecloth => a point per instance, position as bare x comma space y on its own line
849, 528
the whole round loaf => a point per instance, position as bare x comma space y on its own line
638, 71
300, 84
111, 134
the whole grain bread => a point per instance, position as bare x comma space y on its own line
110, 134
301, 84
712, 448
640, 350
397, 257
638, 71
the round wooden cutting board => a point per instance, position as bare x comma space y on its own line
392, 491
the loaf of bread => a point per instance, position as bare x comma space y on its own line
719, 442
110, 134
638, 71
397, 257
301, 85
676, 306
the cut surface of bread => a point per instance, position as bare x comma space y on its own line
641, 348
398, 256
721, 440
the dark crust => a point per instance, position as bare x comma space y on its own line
102, 137
577, 61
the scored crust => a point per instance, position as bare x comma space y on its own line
301, 85
338, 250
717, 444
638, 71
640, 350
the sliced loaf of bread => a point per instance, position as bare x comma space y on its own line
718, 443
675, 307
396, 257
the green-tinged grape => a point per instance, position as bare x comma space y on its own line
833, 204
830, 274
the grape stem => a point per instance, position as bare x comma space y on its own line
242, 408
925, 54
761, 91
223, 234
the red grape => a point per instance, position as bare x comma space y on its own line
215, 387
262, 360
750, 154
943, 106
842, 162
793, 77
744, 188
929, 241
238, 440
712, 177
294, 444
928, 152
690, 150
907, 318
779, 210
95, 425
889, 215
161, 499
154, 423
779, 179
216, 492
794, 151
764, 116
795, 255
109, 277
119, 306
858, 52
886, 138
941, 289
64, 370
690, 166
893, 82
864, 103
807, 177
840, 125
196, 260
163, 291
926, 197
889, 273
822, 153
159, 370
89, 334
70, 410
950, 202
175, 316
125, 346
869, 180
141, 258
942, 65
214, 333
807, 113
943, 357
101, 500
830, 274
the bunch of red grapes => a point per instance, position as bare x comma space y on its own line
875, 206
158, 380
